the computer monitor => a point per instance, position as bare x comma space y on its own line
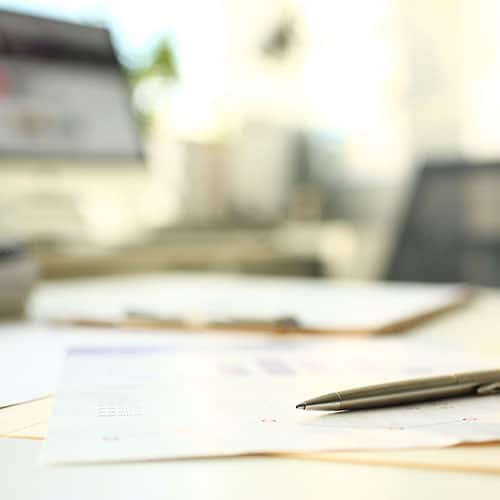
451, 229
63, 93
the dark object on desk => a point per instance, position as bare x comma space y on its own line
480, 383
451, 230
18, 274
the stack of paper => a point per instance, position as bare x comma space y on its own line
128, 403
26, 421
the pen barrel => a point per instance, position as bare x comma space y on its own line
483, 377
406, 397
477, 378
398, 387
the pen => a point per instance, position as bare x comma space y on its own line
134, 319
285, 322
477, 383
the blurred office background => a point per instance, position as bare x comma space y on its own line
276, 136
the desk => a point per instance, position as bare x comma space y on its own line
234, 479
475, 328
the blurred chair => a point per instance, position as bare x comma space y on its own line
451, 230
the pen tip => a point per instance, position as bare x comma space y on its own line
301, 406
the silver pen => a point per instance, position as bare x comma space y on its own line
408, 391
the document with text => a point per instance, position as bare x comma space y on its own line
226, 398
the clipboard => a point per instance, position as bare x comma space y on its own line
392, 308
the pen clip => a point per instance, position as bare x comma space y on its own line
486, 389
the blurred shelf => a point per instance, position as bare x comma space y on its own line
248, 251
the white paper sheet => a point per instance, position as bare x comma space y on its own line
31, 354
168, 402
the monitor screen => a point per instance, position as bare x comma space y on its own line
451, 229
63, 93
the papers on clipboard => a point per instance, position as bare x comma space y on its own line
217, 302
134, 403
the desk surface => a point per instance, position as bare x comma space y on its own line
246, 478
23, 478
